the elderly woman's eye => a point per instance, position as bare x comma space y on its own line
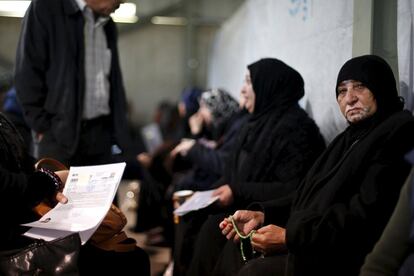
342, 91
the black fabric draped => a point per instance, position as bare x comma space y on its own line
279, 141
277, 87
20, 187
271, 156
345, 201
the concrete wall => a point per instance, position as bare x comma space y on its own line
154, 58
154, 65
9, 33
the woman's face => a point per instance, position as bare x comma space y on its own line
248, 97
356, 101
205, 113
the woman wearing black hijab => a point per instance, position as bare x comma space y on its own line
272, 154
347, 197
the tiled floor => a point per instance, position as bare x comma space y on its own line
159, 256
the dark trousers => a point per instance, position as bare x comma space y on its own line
208, 246
271, 265
95, 261
94, 146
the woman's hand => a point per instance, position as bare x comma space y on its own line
245, 220
183, 147
225, 195
63, 175
270, 239
61, 198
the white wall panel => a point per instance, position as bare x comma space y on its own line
312, 36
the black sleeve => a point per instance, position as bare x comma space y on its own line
211, 160
31, 65
285, 173
393, 246
214, 160
359, 220
24, 189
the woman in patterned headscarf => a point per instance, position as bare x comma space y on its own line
221, 114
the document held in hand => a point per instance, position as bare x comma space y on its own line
90, 191
198, 200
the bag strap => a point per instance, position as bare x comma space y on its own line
51, 163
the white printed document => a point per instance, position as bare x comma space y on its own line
90, 191
198, 200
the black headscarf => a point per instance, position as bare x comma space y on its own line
275, 84
277, 88
377, 76
350, 191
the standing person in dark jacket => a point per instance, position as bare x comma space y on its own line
346, 199
68, 80
272, 153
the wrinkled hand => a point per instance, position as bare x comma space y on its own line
245, 220
225, 195
183, 147
270, 239
63, 175
196, 123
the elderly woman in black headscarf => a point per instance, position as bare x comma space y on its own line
272, 153
348, 195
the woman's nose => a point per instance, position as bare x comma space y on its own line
351, 96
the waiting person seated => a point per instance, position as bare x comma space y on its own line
188, 105
272, 153
347, 197
221, 114
22, 188
159, 169
393, 253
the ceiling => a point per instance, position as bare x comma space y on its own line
198, 12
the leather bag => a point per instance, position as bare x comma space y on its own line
57, 257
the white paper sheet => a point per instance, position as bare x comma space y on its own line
197, 201
90, 191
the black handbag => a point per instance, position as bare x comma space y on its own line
57, 257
